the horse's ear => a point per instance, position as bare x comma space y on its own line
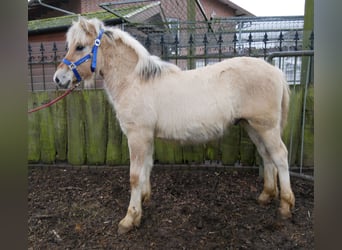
87, 26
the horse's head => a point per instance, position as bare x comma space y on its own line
83, 39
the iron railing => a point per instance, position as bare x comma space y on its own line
192, 45
308, 80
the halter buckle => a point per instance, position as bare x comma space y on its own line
72, 66
97, 42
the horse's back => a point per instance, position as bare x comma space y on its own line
198, 105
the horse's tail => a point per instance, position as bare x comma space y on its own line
285, 101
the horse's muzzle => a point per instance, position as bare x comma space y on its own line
62, 79
61, 84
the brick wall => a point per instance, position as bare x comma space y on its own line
91, 6
47, 37
172, 8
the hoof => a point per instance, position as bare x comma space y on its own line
267, 195
122, 229
264, 199
129, 222
285, 214
290, 200
286, 204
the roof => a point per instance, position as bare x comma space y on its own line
37, 8
65, 21
62, 23
239, 11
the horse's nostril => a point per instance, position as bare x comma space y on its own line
56, 80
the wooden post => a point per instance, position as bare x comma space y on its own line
47, 136
33, 130
230, 146
114, 140
247, 149
60, 128
306, 75
95, 126
308, 150
76, 136
212, 151
164, 151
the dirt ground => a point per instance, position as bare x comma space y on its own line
212, 208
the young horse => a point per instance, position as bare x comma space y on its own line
153, 98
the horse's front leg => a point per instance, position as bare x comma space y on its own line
141, 151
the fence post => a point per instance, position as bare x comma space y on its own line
219, 42
265, 40
162, 48
33, 130
47, 131
114, 138
234, 42
250, 40
205, 42
60, 126
42, 60
191, 61
296, 39
54, 49
148, 43
191, 17
281, 39
176, 42
30, 64
76, 137
95, 116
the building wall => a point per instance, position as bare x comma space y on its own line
219, 9
92, 6
173, 8
47, 37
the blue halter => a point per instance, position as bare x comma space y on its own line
93, 55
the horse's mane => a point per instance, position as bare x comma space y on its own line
148, 66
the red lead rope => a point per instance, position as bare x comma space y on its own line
54, 100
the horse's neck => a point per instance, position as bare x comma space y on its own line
119, 62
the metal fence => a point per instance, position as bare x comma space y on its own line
280, 40
193, 44
306, 121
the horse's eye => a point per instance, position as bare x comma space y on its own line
79, 47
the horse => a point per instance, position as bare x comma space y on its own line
153, 98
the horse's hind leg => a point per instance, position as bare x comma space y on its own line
270, 189
278, 153
141, 151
